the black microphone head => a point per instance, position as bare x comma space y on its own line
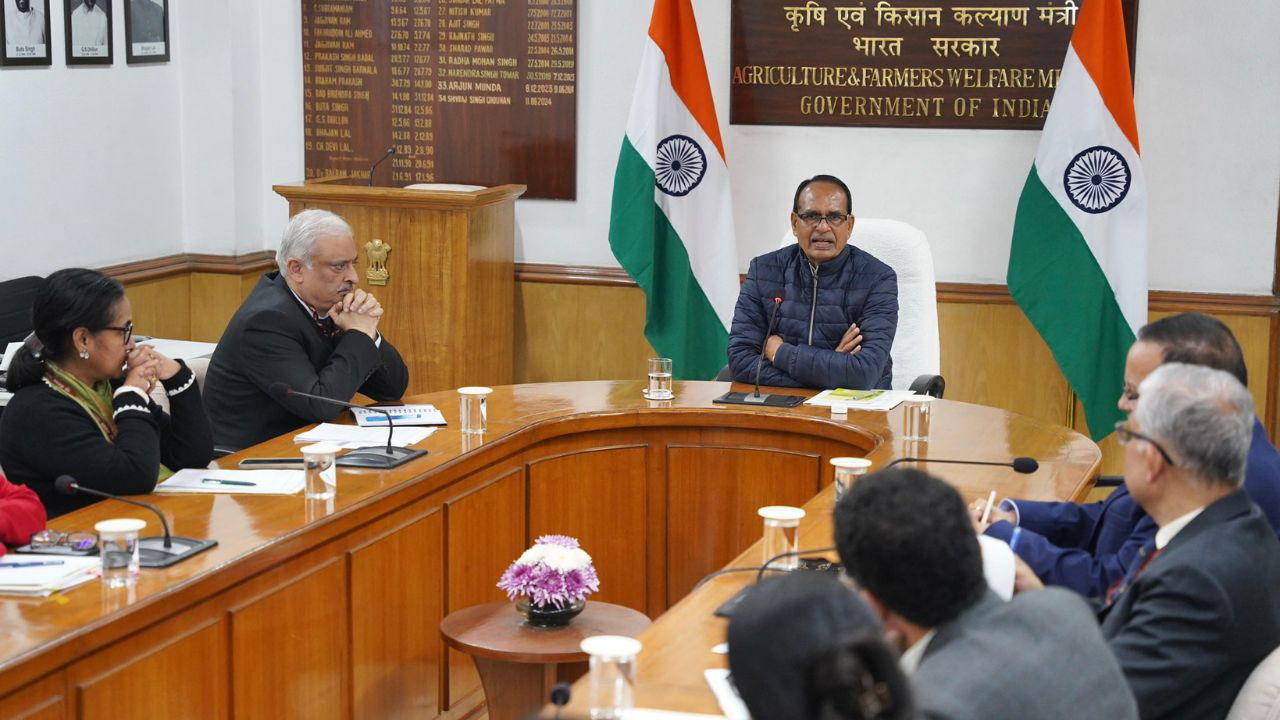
1025, 465
391, 150
279, 390
560, 694
66, 485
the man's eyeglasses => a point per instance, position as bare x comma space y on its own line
1130, 394
1124, 435
127, 330
74, 540
812, 219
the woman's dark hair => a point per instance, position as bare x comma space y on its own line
806, 646
68, 299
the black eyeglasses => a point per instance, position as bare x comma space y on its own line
813, 219
1130, 394
74, 540
127, 330
1124, 435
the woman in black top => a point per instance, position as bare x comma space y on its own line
805, 647
81, 404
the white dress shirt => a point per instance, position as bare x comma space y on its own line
1172, 528
23, 28
88, 27
912, 656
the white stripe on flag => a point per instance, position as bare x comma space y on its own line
703, 219
1117, 238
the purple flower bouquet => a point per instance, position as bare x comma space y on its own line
554, 573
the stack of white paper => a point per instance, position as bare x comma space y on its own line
239, 482
425, 414
350, 436
42, 575
180, 349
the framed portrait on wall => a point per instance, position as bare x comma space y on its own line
146, 31
88, 30
24, 26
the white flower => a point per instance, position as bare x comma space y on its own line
534, 555
563, 559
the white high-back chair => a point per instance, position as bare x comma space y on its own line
917, 363
1259, 699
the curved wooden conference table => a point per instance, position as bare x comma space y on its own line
322, 609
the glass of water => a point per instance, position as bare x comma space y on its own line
118, 550
915, 417
612, 675
848, 469
322, 476
781, 535
659, 379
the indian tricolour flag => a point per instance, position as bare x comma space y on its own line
1078, 265
671, 225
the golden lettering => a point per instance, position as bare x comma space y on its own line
1064, 15
1000, 16
886, 46
797, 14
968, 47
887, 14
847, 15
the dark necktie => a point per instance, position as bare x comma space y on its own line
324, 325
1146, 555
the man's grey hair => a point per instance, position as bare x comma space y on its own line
1202, 417
300, 236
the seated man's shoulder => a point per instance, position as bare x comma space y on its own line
1055, 607
872, 265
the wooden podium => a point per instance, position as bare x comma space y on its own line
450, 280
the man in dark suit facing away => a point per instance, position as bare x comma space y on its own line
1201, 608
906, 539
308, 326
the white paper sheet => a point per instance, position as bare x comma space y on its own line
726, 695
365, 437
265, 482
180, 349
884, 400
46, 579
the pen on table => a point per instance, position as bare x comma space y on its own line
986, 512
1013, 539
41, 563
220, 481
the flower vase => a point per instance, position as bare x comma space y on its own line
548, 616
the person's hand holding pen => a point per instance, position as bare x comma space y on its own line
983, 517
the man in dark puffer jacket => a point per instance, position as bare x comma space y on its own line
839, 306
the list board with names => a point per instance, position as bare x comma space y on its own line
479, 92
901, 63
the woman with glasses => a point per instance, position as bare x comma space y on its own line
81, 405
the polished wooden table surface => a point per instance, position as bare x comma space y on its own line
519, 663
330, 609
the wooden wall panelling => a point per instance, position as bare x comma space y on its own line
300, 624
188, 653
397, 603
725, 482
596, 493
478, 550
43, 700
214, 299
991, 355
487, 299
579, 332
162, 307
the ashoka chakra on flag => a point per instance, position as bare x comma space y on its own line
680, 165
1097, 179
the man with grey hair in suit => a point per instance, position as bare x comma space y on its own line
308, 326
1201, 609
905, 537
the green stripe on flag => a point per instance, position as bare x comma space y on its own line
680, 322
1060, 287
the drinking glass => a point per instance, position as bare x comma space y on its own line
848, 469
781, 535
915, 413
659, 379
118, 549
612, 674
322, 476
472, 408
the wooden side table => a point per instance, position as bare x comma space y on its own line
518, 663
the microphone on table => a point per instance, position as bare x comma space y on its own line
1024, 465
727, 607
387, 457
153, 552
755, 398
390, 151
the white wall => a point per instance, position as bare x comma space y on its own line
180, 157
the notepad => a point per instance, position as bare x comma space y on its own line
425, 414
352, 436
265, 482
45, 580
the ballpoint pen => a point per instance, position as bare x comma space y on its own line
41, 563
220, 481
